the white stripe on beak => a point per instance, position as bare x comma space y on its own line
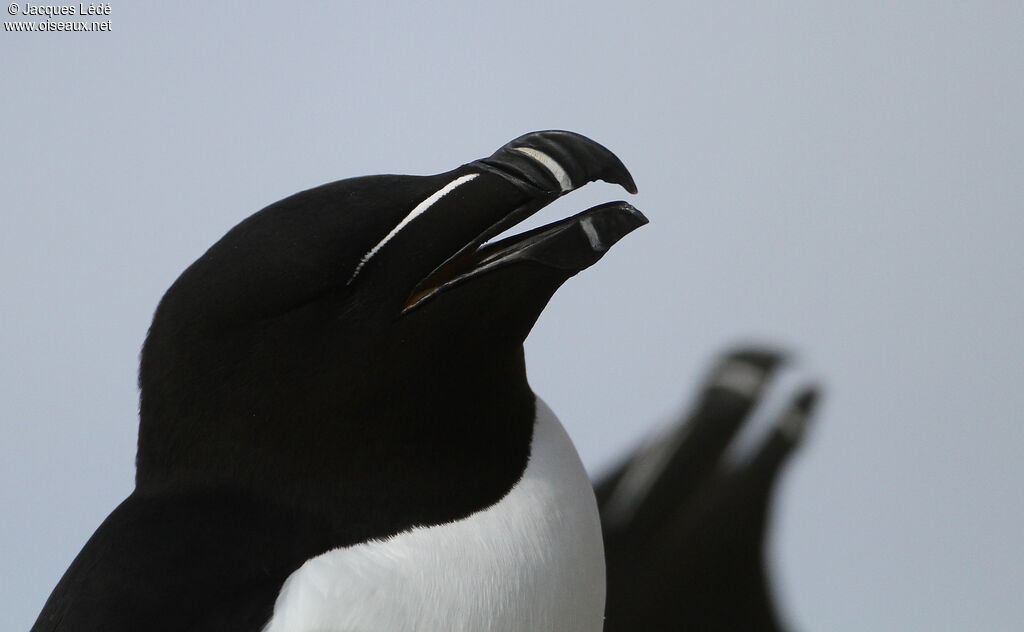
550, 164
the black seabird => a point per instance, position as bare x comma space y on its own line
336, 431
685, 516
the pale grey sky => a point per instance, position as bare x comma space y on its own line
841, 178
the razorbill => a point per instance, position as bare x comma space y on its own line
685, 516
336, 431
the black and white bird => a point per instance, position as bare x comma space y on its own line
336, 430
686, 516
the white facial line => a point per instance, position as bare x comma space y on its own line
420, 208
550, 164
641, 472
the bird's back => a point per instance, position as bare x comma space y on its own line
180, 562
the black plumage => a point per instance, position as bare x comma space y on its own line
688, 552
340, 366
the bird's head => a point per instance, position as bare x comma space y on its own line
368, 313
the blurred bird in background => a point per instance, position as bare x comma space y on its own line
685, 517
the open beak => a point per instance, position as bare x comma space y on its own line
544, 166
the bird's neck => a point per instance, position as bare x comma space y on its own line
415, 455
533, 560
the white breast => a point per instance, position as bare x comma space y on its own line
534, 561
